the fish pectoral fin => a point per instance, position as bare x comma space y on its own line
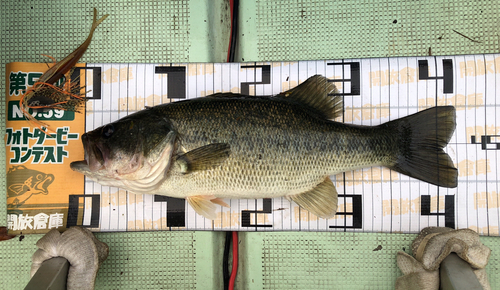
318, 93
205, 205
204, 157
321, 200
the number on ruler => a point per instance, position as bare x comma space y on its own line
176, 210
423, 74
357, 212
176, 80
354, 80
449, 209
74, 207
96, 80
485, 140
267, 205
265, 76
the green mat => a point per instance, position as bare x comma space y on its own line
189, 31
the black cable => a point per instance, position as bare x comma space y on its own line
225, 262
234, 30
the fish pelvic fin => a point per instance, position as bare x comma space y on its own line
204, 205
321, 200
318, 93
421, 139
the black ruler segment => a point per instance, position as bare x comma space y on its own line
447, 77
449, 209
265, 76
74, 208
96, 79
485, 140
357, 212
176, 80
267, 205
355, 72
176, 210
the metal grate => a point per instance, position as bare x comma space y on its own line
325, 261
301, 30
157, 31
148, 261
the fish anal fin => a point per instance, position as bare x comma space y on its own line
204, 157
317, 92
321, 200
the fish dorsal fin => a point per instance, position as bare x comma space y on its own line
321, 200
204, 157
317, 93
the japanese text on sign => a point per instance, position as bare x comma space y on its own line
39, 221
40, 153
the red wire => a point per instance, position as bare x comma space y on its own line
232, 279
231, 7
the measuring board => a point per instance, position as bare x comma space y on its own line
370, 200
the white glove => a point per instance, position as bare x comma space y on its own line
431, 247
415, 276
83, 251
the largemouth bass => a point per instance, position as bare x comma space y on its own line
235, 146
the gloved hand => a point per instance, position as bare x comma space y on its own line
431, 247
83, 251
415, 276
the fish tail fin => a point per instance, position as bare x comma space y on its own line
422, 137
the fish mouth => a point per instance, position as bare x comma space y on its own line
95, 154
98, 158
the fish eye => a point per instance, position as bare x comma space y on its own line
108, 130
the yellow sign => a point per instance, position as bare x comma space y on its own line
39, 179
